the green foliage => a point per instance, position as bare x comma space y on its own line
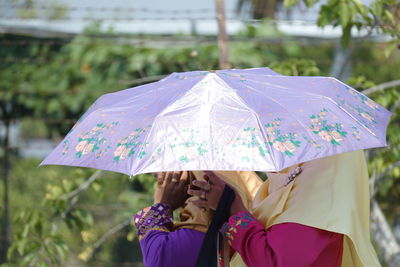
367, 75
75, 74
60, 205
36, 242
39, 232
50, 222
266, 29
33, 129
382, 16
29, 9
360, 82
297, 67
381, 159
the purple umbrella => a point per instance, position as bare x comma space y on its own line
250, 119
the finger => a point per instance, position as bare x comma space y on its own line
184, 181
187, 196
201, 184
207, 188
160, 177
176, 177
196, 193
200, 203
213, 178
191, 177
184, 176
191, 186
168, 177
183, 187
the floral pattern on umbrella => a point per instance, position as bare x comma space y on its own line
363, 99
364, 116
332, 133
189, 145
251, 119
248, 140
92, 140
127, 146
282, 142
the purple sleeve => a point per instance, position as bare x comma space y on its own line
156, 217
161, 246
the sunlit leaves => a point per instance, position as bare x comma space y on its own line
37, 242
74, 77
289, 3
302, 67
360, 82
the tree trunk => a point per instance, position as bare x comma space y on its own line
222, 36
5, 233
384, 237
264, 9
341, 67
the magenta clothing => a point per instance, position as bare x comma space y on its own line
282, 245
162, 247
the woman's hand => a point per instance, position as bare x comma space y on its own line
175, 185
159, 191
210, 192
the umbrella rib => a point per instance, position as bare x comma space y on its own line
322, 97
330, 100
260, 125
351, 116
158, 116
243, 103
281, 87
164, 84
272, 74
254, 113
261, 92
262, 75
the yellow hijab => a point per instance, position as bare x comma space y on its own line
331, 193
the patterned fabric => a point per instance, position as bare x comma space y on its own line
157, 217
240, 220
257, 246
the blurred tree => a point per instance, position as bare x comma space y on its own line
11, 108
260, 9
381, 16
29, 9
61, 82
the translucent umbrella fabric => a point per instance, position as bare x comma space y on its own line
250, 119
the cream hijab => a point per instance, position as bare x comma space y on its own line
331, 193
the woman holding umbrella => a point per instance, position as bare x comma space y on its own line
249, 119
168, 243
312, 214
155, 224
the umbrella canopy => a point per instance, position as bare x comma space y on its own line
250, 119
